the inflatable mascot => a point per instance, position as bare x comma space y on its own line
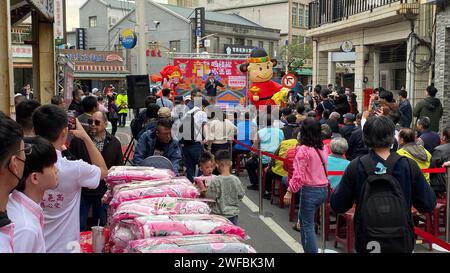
171, 76
260, 71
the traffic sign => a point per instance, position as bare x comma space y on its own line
289, 81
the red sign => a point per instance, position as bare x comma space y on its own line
195, 73
289, 80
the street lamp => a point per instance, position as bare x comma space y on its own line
200, 39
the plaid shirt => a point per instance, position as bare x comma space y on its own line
99, 142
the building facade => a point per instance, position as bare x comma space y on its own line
442, 66
97, 17
176, 33
368, 44
184, 3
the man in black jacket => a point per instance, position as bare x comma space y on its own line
440, 155
111, 150
349, 127
211, 86
76, 101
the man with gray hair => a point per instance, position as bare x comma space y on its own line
337, 160
111, 149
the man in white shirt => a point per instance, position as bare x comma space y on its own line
23, 205
12, 162
62, 205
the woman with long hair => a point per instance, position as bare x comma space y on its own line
310, 178
113, 113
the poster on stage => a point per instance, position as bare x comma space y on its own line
196, 71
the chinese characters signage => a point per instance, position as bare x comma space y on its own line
200, 25
196, 71
59, 19
238, 49
95, 61
22, 51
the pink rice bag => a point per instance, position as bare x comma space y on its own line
175, 189
124, 174
178, 225
210, 243
159, 206
203, 182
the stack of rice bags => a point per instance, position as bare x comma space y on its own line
151, 210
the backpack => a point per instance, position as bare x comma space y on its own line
382, 217
188, 118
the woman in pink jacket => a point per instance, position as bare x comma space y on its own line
310, 179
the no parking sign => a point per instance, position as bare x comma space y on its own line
289, 81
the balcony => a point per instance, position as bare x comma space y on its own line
332, 15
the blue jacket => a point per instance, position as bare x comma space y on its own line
417, 191
146, 148
430, 140
406, 111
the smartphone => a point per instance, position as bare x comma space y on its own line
72, 122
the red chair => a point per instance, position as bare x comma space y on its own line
277, 191
427, 223
344, 230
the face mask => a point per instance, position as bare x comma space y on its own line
21, 183
83, 97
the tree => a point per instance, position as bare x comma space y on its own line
296, 52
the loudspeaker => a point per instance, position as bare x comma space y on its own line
138, 90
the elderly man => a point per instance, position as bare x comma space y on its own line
159, 142
111, 150
337, 160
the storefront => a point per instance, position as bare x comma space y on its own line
97, 69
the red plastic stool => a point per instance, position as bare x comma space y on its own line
427, 225
277, 187
345, 235
237, 163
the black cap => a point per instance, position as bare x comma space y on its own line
258, 52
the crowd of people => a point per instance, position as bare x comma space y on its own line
52, 176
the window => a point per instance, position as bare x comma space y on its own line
294, 14
260, 43
230, 41
249, 42
217, 44
175, 45
93, 21
239, 41
300, 15
307, 16
271, 49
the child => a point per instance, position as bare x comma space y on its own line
24, 202
225, 189
207, 166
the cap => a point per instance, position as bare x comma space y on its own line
164, 112
350, 117
94, 90
178, 98
188, 97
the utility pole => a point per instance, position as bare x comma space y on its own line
142, 45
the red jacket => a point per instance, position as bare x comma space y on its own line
289, 163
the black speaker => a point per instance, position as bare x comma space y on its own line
138, 90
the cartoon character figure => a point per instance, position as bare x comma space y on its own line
171, 76
259, 68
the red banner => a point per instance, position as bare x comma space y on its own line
196, 71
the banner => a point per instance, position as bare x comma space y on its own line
195, 73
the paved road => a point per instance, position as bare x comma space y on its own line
272, 233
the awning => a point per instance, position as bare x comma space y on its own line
304, 72
100, 76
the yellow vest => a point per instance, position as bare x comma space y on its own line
122, 98
422, 164
285, 146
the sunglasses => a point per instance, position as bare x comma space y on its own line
92, 121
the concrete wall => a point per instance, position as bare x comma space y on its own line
97, 37
442, 59
264, 15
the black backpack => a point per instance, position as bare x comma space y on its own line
383, 219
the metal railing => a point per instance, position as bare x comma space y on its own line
330, 11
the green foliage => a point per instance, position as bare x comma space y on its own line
296, 52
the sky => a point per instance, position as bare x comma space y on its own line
72, 7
